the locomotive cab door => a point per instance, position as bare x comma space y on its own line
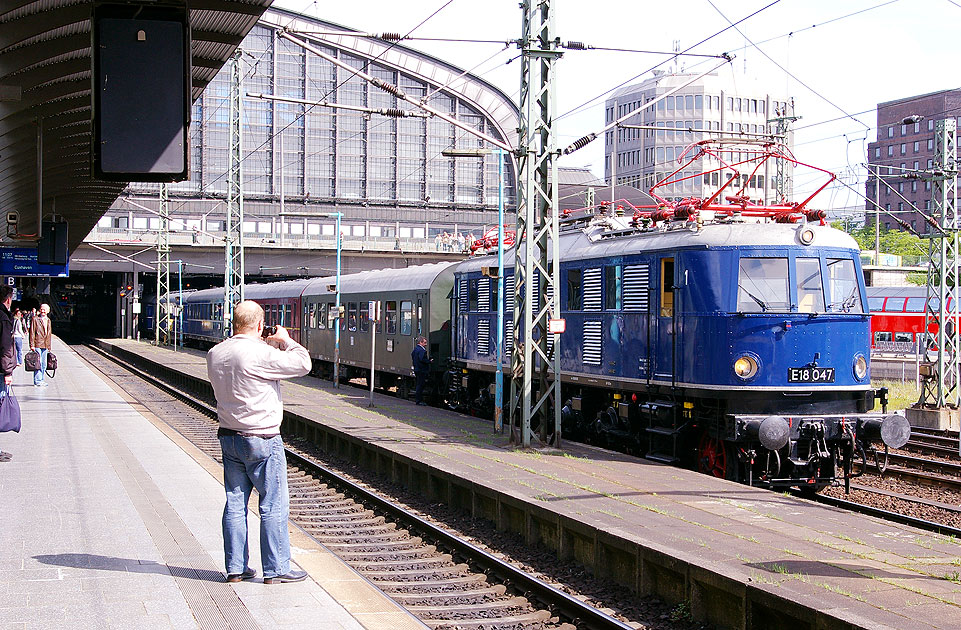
664, 326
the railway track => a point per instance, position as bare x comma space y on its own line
444, 580
939, 444
921, 470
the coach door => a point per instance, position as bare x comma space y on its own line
664, 329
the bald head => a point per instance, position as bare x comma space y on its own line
247, 317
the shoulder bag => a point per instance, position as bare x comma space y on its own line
31, 361
51, 364
9, 411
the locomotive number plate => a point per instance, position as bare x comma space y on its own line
810, 375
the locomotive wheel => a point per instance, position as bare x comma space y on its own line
715, 457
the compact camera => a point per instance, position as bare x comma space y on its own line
269, 331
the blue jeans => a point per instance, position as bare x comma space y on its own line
253, 462
38, 375
18, 344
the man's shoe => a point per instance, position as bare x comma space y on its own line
291, 576
249, 574
6, 457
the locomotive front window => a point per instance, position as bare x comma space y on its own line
762, 285
845, 293
810, 292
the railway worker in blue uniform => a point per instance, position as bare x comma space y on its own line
421, 361
245, 372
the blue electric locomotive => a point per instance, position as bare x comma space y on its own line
736, 346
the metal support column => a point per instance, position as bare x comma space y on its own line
162, 310
535, 393
234, 228
782, 122
942, 389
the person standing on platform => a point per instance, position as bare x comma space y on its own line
421, 361
41, 340
245, 373
19, 332
8, 362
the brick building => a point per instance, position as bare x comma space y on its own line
903, 150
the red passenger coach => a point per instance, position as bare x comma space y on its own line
897, 318
281, 302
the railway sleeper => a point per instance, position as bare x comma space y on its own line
419, 552
516, 602
430, 563
497, 590
363, 519
417, 575
311, 512
360, 546
332, 541
513, 621
472, 580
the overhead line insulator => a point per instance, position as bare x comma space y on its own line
391, 37
576, 46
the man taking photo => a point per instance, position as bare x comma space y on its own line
245, 372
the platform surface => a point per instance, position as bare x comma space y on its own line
109, 521
860, 570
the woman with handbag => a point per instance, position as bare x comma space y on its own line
41, 337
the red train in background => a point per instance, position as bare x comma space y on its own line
897, 318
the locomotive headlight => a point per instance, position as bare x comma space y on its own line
745, 367
860, 367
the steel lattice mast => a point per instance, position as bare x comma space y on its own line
942, 389
162, 311
535, 393
234, 228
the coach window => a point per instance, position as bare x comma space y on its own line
762, 285
331, 316
613, 277
406, 317
843, 283
390, 317
574, 289
667, 287
904, 337
352, 316
810, 292
882, 336
365, 317
321, 316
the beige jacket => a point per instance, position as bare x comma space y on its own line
41, 332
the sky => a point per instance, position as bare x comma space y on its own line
836, 66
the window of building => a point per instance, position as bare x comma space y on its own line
917, 127
699, 101
688, 102
915, 165
917, 146
877, 152
931, 125
904, 130
730, 104
903, 148
900, 206
930, 144
914, 186
890, 149
670, 103
890, 132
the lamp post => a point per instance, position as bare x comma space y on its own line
499, 372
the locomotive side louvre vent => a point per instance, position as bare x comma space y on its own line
592, 289
483, 337
462, 295
592, 343
484, 295
637, 280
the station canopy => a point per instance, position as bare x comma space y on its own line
45, 83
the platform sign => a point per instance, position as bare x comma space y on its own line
556, 326
22, 261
